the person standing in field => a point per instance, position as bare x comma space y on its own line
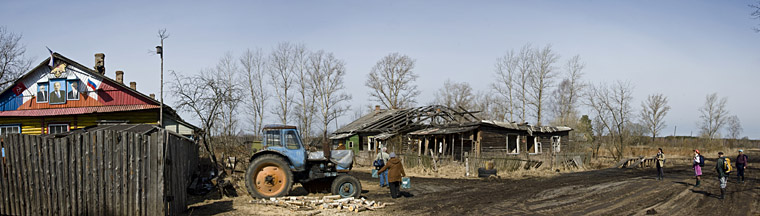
741, 164
699, 162
722, 175
395, 172
380, 161
660, 161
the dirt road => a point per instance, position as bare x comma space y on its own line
600, 192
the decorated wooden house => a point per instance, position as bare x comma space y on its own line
60, 95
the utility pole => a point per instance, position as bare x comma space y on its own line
160, 51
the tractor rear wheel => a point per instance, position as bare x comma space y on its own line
268, 176
346, 186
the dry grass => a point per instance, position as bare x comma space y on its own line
456, 170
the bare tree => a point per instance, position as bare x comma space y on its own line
490, 106
506, 72
565, 97
254, 69
653, 112
282, 75
713, 116
612, 106
326, 75
454, 95
305, 96
392, 81
524, 67
361, 111
204, 96
541, 79
226, 73
755, 14
12, 61
734, 127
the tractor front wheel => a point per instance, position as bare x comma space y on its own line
346, 186
268, 176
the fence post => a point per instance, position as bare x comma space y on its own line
466, 164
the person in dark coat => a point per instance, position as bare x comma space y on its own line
660, 161
722, 175
395, 172
741, 164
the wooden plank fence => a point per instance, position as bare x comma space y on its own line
96, 173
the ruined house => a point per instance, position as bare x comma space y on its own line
486, 138
373, 130
446, 132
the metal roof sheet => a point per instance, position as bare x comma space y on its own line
384, 136
437, 131
77, 110
341, 136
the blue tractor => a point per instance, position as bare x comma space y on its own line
281, 160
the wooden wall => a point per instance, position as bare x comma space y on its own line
38, 125
96, 173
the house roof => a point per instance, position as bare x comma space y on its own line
458, 128
77, 110
365, 121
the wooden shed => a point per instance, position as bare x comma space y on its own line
101, 170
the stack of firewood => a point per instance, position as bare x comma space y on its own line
299, 203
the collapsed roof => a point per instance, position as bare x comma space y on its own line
390, 122
428, 120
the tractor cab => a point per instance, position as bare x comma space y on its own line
285, 140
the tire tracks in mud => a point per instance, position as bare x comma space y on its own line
598, 192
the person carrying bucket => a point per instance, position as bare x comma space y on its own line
395, 171
380, 161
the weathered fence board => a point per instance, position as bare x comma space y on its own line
96, 173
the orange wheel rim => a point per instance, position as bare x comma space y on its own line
270, 180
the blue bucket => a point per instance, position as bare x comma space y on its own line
374, 173
406, 183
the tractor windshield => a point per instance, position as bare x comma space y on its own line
272, 137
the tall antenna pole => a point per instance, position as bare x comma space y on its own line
160, 50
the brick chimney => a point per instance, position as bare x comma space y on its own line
133, 85
120, 77
100, 63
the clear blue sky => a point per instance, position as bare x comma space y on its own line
683, 49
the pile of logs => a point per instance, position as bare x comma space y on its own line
300, 203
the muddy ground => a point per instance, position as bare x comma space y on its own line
599, 192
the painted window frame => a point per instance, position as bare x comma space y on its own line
68, 127
18, 126
556, 144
